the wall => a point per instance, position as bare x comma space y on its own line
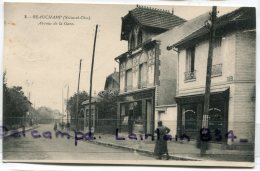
238, 74
169, 117
133, 63
167, 70
244, 98
227, 59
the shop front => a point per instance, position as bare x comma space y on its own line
190, 109
136, 112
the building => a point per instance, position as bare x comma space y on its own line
84, 115
112, 81
146, 79
232, 99
102, 111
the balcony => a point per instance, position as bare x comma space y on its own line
128, 88
142, 84
216, 70
190, 76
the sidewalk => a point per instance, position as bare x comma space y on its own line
177, 150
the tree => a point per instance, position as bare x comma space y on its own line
15, 105
19, 104
45, 115
107, 110
72, 103
6, 98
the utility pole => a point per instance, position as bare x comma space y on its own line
205, 116
91, 76
77, 105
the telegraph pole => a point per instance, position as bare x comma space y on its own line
77, 105
91, 76
205, 116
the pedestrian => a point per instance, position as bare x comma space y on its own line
55, 126
161, 141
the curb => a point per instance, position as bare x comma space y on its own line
147, 152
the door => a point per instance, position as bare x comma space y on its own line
217, 120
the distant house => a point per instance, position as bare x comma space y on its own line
147, 72
112, 81
84, 114
232, 99
103, 115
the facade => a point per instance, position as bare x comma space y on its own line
232, 99
144, 79
84, 114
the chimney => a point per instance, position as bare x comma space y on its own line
172, 11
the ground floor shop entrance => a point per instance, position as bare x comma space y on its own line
136, 112
190, 109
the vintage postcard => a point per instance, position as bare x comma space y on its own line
129, 84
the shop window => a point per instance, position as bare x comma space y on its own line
190, 115
216, 116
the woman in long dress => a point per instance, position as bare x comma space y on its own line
161, 141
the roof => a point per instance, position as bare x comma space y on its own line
179, 32
147, 43
150, 18
93, 100
235, 17
114, 76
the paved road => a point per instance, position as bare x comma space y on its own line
29, 148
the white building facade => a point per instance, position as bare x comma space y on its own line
232, 101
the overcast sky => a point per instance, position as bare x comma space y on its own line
43, 59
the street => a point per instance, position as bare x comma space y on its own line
29, 148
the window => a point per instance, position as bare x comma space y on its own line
190, 64
190, 60
140, 37
132, 42
142, 75
128, 80
217, 58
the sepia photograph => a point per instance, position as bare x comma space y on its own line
118, 84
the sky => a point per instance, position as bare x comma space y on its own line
44, 59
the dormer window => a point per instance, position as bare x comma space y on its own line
132, 42
140, 37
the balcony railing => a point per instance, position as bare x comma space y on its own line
190, 75
142, 84
216, 70
128, 88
